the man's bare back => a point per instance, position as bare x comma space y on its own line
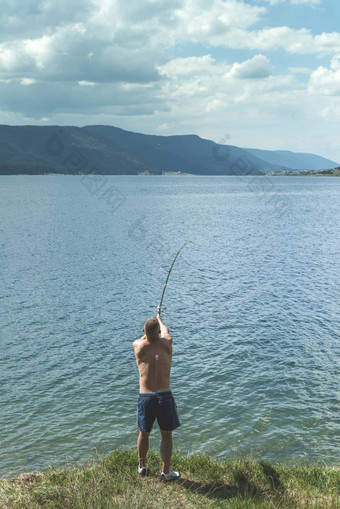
153, 357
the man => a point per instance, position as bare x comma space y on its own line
153, 356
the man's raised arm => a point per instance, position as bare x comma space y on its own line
164, 330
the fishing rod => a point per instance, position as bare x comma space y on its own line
166, 281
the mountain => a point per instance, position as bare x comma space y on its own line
36, 150
292, 160
185, 153
112, 151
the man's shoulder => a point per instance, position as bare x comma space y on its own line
139, 342
167, 337
167, 343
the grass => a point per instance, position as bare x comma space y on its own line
112, 482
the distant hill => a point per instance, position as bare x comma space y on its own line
112, 151
185, 153
293, 160
36, 150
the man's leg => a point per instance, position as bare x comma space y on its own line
142, 446
166, 450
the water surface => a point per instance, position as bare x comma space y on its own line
252, 305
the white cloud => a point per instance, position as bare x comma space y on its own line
188, 66
40, 50
331, 111
335, 62
166, 66
111, 41
64, 56
13, 59
47, 99
214, 105
326, 81
87, 83
208, 86
294, 2
310, 2
300, 70
34, 18
204, 68
254, 68
27, 81
201, 19
299, 42
165, 127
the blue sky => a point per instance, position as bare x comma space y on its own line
255, 73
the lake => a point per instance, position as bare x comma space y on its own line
252, 304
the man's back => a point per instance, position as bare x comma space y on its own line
154, 363
153, 356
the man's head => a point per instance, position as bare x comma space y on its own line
152, 328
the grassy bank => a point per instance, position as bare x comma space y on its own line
206, 483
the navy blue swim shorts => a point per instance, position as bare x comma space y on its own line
160, 406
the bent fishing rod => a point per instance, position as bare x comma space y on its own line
166, 281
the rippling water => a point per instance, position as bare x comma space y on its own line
252, 303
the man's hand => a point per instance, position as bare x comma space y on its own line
164, 329
158, 312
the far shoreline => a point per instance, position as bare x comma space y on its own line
171, 174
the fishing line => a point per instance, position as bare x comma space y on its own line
166, 281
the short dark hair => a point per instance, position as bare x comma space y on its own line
151, 325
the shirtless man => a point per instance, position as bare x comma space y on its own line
153, 356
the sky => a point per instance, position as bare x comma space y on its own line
252, 73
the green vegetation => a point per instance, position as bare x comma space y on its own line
312, 173
113, 482
328, 173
